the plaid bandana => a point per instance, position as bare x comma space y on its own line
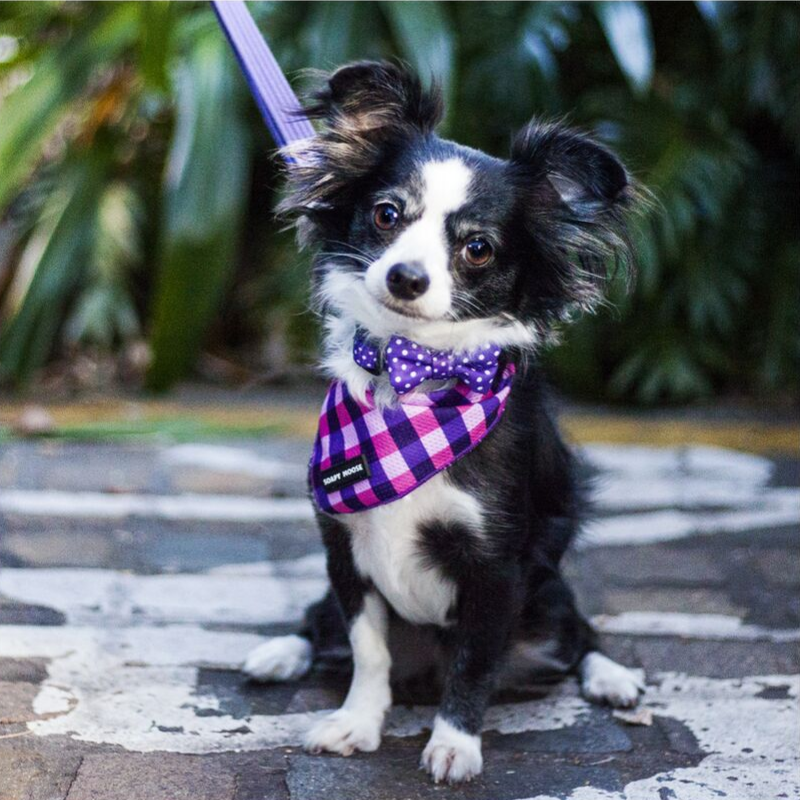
366, 456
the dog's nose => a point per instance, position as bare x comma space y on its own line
407, 281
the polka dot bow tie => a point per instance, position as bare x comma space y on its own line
408, 364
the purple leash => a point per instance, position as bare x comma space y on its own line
278, 103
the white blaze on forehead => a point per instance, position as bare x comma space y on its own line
445, 188
446, 185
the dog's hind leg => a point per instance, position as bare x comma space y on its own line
605, 681
281, 658
553, 636
323, 639
551, 616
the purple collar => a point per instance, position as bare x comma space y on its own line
408, 364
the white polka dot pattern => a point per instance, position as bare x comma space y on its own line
408, 364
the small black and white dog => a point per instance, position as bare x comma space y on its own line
452, 249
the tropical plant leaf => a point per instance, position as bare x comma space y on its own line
52, 266
32, 111
156, 25
424, 37
104, 311
204, 192
627, 28
328, 33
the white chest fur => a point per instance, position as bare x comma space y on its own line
386, 548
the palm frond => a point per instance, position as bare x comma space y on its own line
204, 194
52, 266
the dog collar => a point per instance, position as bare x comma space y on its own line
365, 456
408, 364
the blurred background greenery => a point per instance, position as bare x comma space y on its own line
137, 244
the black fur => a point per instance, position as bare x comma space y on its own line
555, 215
509, 584
369, 109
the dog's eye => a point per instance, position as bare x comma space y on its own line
386, 216
478, 252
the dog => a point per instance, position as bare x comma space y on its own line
462, 260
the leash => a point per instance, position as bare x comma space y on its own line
274, 96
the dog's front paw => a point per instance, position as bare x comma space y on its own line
345, 731
605, 681
452, 755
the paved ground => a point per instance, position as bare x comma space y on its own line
136, 576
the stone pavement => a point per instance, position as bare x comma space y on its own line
137, 575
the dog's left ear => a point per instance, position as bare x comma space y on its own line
577, 195
564, 165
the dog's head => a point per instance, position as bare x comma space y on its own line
440, 242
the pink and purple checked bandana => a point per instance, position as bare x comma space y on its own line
366, 456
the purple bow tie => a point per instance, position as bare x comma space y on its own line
408, 364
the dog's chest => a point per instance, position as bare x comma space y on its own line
386, 548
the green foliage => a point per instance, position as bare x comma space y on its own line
425, 39
136, 178
627, 28
204, 193
60, 72
51, 267
103, 311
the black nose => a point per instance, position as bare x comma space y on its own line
407, 281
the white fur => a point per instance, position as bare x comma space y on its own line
346, 294
284, 658
344, 732
385, 540
357, 724
605, 681
338, 361
445, 189
385, 544
452, 755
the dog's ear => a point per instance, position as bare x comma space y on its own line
577, 196
582, 174
378, 96
365, 108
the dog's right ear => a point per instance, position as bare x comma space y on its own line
379, 96
364, 107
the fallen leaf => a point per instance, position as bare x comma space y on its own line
639, 716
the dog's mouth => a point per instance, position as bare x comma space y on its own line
402, 309
378, 311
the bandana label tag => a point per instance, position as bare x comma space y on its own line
346, 474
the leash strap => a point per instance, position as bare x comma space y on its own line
277, 102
